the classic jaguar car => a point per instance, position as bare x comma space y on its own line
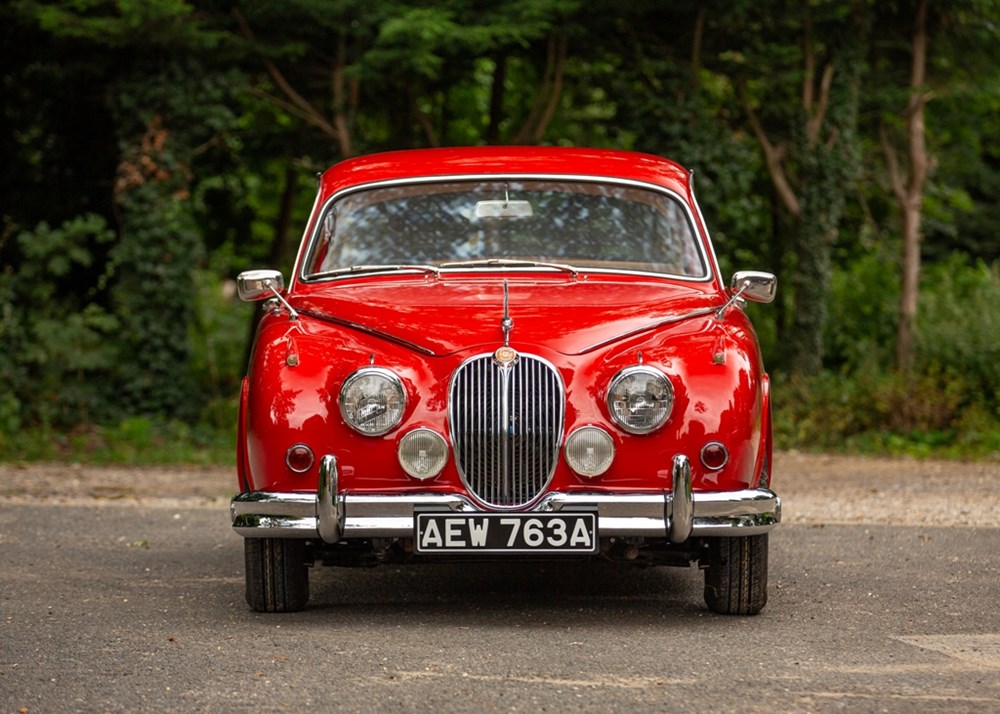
505, 353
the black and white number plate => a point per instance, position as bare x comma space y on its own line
506, 533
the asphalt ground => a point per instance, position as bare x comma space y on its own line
122, 590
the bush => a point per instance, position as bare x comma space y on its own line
917, 415
137, 440
863, 312
949, 405
958, 326
57, 335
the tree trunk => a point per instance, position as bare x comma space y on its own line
811, 171
496, 98
911, 195
910, 286
549, 93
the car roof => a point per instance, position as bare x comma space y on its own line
505, 160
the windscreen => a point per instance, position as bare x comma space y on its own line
584, 224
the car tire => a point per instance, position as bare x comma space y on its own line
736, 576
276, 573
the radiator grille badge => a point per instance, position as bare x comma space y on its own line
505, 356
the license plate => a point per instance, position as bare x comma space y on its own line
506, 533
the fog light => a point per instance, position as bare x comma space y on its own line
423, 453
299, 458
589, 451
714, 456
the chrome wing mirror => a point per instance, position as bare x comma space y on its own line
754, 285
750, 285
253, 285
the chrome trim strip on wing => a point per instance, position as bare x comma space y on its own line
381, 334
700, 312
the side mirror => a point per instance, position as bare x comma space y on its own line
253, 285
754, 285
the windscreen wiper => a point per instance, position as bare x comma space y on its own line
501, 262
436, 272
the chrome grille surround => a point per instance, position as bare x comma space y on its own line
506, 428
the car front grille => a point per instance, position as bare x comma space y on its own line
506, 425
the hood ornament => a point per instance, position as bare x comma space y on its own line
506, 355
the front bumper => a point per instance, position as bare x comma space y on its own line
677, 515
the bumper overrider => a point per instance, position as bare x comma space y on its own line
332, 515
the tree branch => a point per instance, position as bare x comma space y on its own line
895, 178
339, 117
555, 92
292, 109
773, 157
547, 97
814, 124
306, 110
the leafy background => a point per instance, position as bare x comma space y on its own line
151, 151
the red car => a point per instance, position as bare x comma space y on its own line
498, 353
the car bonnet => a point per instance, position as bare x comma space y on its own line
454, 313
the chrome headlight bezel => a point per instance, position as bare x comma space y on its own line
388, 388
623, 394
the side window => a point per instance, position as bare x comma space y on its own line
323, 243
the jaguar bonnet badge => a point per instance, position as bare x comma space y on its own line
505, 356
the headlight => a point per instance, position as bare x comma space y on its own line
640, 399
423, 453
589, 451
372, 401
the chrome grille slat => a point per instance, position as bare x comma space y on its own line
506, 425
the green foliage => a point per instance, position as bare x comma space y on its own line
137, 440
153, 150
57, 336
218, 337
948, 406
156, 258
863, 309
125, 22
958, 327
877, 412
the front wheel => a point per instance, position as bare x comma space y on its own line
736, 575
277, 575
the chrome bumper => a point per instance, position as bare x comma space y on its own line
333, 515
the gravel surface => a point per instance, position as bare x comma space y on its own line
814, 488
